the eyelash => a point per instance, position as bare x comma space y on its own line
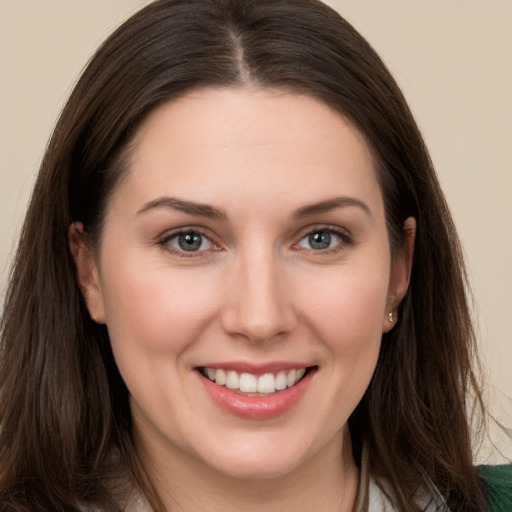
345, 240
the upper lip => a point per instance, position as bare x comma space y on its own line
256, 368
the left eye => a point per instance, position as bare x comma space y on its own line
190, 241
320, 240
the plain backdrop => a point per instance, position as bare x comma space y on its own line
453, 60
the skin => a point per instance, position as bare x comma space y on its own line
257, 290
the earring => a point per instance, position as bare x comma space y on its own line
390, 316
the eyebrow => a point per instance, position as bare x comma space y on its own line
190, 207
211, 212
329, 205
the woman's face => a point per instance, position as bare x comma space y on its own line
245, 245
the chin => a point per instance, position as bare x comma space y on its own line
261, 459
257, 469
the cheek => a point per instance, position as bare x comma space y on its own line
156, 310
152, 318
346, 311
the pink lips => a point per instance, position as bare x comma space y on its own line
256, 407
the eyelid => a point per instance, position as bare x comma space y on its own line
313, 228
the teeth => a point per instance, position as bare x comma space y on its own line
300, 373
232, 380
266, 383
281, 381
219, 377
290, 378
249, 383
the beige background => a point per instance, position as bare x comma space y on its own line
452, 58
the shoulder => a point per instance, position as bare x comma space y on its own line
498, 482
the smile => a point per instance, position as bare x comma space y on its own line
256, 385
256, 393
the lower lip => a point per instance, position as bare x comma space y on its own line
257, 407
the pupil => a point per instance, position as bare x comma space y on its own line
320, 240
190, 242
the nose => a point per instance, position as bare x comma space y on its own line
258, 304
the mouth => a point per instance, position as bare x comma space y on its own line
253, 392
249, 384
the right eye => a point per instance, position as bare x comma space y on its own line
189, 242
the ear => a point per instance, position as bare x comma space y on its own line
400, 274
86, 271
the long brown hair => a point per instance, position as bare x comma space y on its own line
65, 426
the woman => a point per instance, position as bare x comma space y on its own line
214, 303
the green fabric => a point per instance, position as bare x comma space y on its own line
498, 480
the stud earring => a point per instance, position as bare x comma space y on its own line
390, 316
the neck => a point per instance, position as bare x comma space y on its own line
328, 481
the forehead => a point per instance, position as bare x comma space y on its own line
249, 116
251, 141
